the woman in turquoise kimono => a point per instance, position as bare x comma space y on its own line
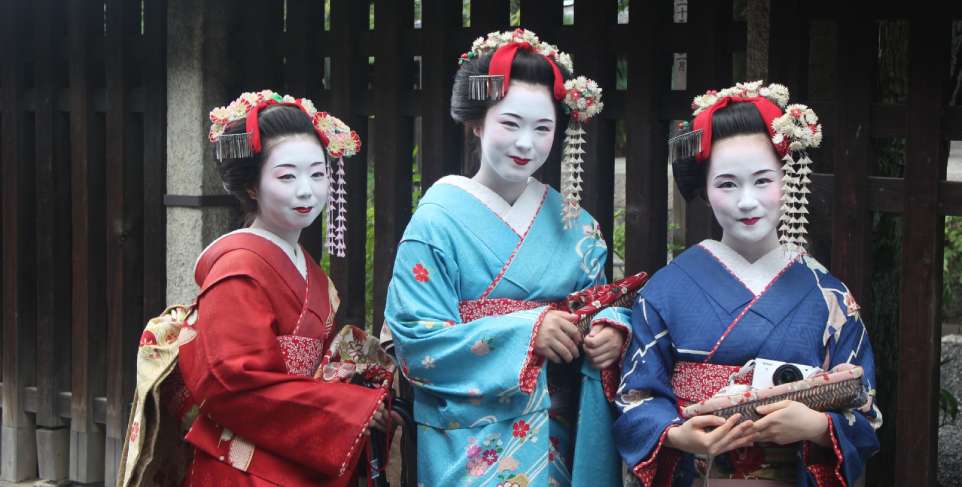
506, 390
752, 299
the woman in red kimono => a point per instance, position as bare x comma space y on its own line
265, 310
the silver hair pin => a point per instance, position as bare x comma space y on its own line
684, 146
486, 87
232, 146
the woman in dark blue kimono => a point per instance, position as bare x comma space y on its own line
753, 296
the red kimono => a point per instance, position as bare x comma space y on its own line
261, 331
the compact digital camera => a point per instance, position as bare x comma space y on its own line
772, 373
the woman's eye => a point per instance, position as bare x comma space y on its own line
544, 129
286, 177
509, 123
317, 175
726, 185
763, 181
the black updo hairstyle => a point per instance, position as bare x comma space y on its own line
740, 118
528, 67
243, 173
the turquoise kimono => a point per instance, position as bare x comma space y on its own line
471, 284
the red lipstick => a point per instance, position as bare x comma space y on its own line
750, 221
303, 209
520, 161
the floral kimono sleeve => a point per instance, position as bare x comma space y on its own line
440, 353
645, 400
852, 430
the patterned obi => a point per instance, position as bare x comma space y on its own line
302, 355
696, 381
482, 308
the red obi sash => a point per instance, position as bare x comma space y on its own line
482, 308
696, 381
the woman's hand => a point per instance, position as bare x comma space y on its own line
558, 338
787, 422
603, 345
384, 420
711, 435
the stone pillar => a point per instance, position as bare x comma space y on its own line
197, 73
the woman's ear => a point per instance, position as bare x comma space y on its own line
252, 194
477, 128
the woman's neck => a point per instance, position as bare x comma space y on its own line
291, 238
509, 191
752, 251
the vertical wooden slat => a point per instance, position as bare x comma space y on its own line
441, 138
544, 17
392, 156
489, 15
593, 58
646, 171
709, 67
155, 156
349, 81
18, 455
49, 290
86, 437
788, 49
851, 221
124, 285
258, 36
920, 307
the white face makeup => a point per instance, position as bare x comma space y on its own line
517, 134
293, 186
744, 190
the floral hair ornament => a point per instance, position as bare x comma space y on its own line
793, 129
338, 139
580, 96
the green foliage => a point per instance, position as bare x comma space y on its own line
618, 237
952, 270
618, 234
515, 13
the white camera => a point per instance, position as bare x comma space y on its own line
770, 373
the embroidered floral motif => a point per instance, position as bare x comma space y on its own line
147, 338
420, 273
427, 362
515, 481
484, 454
520, 429
851, 306
508, 463
134, 431
481, 347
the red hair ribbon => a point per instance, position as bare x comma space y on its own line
253, 128
501, 66
768, 110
